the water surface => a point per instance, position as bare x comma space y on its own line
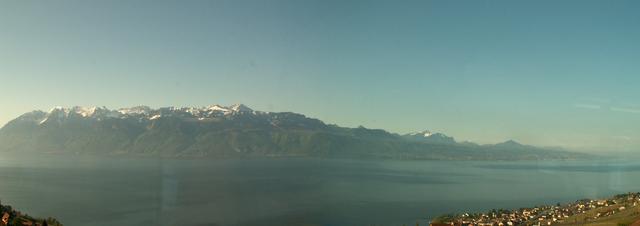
117, 191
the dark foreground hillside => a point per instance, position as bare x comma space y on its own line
12, 217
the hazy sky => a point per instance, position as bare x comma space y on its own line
541, 72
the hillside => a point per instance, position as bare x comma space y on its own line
12, 217
233, 132
619, 210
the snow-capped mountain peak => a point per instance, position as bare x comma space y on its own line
60, 114
137, 110
55, 114
218, 108
56, 108
425, 133
428, 136
240, 108
86, 111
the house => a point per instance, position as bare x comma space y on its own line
5, 219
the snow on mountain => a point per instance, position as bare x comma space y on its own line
218, 108
428, 136
240, 108
138, 110
43, 120
425, 133
234, 131
98, 112
84, 111
58, 114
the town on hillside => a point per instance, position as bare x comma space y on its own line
620, 210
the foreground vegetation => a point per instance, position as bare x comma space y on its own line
12, 217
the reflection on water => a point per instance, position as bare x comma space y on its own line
107, 191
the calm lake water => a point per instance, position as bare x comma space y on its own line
113, 191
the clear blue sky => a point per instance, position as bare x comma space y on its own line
561, 73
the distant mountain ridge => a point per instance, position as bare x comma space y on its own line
429, 137
235, 131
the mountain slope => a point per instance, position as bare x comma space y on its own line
233, 131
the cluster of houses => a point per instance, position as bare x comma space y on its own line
546, 215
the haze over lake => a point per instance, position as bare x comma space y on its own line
319, 113
117, 191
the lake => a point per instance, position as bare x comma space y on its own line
119, 191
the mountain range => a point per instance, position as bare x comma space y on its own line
235, 131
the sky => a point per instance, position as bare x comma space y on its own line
549, 73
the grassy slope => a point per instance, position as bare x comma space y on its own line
625, 217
